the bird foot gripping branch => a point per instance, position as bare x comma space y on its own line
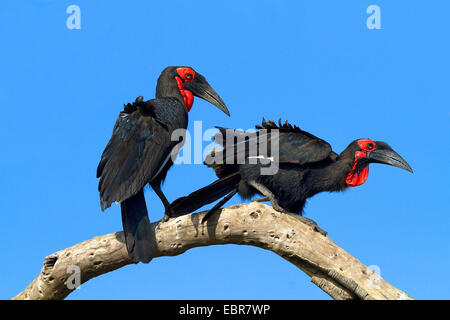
311, 223
307, 221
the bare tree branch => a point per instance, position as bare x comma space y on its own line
331, 268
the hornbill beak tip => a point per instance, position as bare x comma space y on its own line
201, 88
385, 154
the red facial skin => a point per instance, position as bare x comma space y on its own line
185, 74
353, 178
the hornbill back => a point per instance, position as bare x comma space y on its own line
139, 147
295, 147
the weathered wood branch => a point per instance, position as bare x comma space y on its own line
331, 268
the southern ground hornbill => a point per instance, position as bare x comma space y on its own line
140, 149
307, 166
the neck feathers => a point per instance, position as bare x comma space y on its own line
335, 174
167, 87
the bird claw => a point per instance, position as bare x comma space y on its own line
313, 225
308, 222
168, 214
278, 208
320, 230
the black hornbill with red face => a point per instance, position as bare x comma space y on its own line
140, 149
306, 166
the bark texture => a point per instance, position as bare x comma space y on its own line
331, 268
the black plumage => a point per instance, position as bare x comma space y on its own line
140, 145
141, 148
306, 166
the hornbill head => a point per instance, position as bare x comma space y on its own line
188, 83
365, 152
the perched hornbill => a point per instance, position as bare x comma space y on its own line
307, 166
140, 149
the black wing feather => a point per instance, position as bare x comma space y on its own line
138, 148
295, 145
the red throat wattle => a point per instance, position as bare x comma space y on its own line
188, 97
354, 179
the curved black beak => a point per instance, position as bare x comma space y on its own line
385, 154
201, 88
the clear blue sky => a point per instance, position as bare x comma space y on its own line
312, 62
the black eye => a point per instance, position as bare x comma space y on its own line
188, 76
370, 146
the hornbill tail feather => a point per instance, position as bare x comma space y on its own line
220, 204
136, 226
206, 195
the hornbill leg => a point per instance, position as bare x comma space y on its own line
168, 211
265, 199
269, 195
219, 204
